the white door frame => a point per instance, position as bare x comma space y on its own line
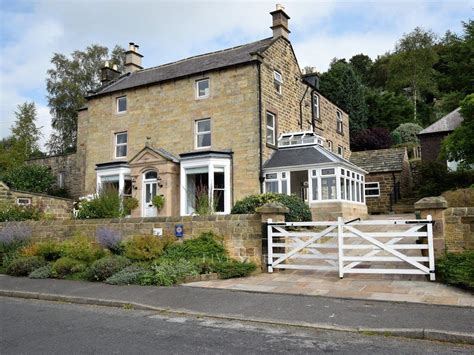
144, 188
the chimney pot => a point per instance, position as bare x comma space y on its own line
133, 59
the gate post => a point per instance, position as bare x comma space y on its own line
340, 244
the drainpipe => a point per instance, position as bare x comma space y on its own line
301, 107
260, 133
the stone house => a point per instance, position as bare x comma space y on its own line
388, 179
432, 136
216, 125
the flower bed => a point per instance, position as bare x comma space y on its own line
140, 260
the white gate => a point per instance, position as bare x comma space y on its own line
364, 247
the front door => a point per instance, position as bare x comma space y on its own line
150, 189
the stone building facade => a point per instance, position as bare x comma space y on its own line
205, 120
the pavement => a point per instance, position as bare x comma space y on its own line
423, 321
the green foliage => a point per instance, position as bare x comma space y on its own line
169, 272
206, 246
82, 249
25, 131
459, 145
371, 138
387, 109
131, 275
12, 212
147, 247
24, 265
128, 205
67, 266
68, 83
104, 268
105, 204
299, 211
457, 269
460, 197
342, 85
362, 65
158, 201
233, 268
31, 177
50, 251
42, 272
408, 132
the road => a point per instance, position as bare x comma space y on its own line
39, 327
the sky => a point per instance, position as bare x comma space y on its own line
31, 31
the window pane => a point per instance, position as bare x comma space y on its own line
328, 186
343, 190
271, 176
204, 126
122, 104
327, 171
353, 190
219, 200
121, 151
204, 140
121, 138
203, 88
284, 187
357, 192
315, 189
271, 186
219, 180
348, 189
270, 136
151, 175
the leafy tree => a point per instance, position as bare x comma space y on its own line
411, 67
68, 83
371, 138
24, 131
408, 132
387, 109
459, 145
33, 178
343, 86
361, 64
379, 72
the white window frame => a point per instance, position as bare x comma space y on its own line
339, 122
372, 188
123, 173
330, 147
340, 151
116, 145
126, 104
26, 199
316, 111
273, 129
282, 178
197, 133
205, 96
278, 80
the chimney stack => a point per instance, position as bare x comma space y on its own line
108, 74
280, 22
133, 59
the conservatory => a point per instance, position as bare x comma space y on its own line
331, 185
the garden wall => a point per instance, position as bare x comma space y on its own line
459, 228
242, 233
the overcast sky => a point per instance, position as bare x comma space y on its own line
31, 31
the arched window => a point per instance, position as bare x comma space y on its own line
151, 175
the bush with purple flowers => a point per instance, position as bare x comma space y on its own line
110, 239
12, 237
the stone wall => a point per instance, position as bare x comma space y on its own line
56, 207
242, 233
381, 204
459, 228
330, 211
66, 165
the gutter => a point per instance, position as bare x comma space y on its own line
260, 133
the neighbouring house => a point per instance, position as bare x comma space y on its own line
432, 136
388, 180
225, 124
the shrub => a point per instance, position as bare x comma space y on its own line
23, 266
129, 204
457, 269
169, 272
12, 212
50, 251
460, 197
103, 268
205, 246
12, 238
408, 132
81, 248
158, 201
30, 177
43, 272
233, 268
131, 275
110, 239
147, 247
66, 266
105, 204
299, 211
371, 138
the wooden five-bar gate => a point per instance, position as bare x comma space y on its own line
349, 247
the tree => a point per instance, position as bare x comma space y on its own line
68, 83
361, 64
408, 132
459, 145
341, 85
387, 109
33, 178
25, 132
411, 67
371, 138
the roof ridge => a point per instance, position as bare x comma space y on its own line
202, 55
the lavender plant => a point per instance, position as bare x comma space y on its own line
12, 237
110, 239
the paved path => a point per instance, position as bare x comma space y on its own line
39, 327
417, 320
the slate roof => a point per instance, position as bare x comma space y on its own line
380, 160
301, 156
193, 65
445, 124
